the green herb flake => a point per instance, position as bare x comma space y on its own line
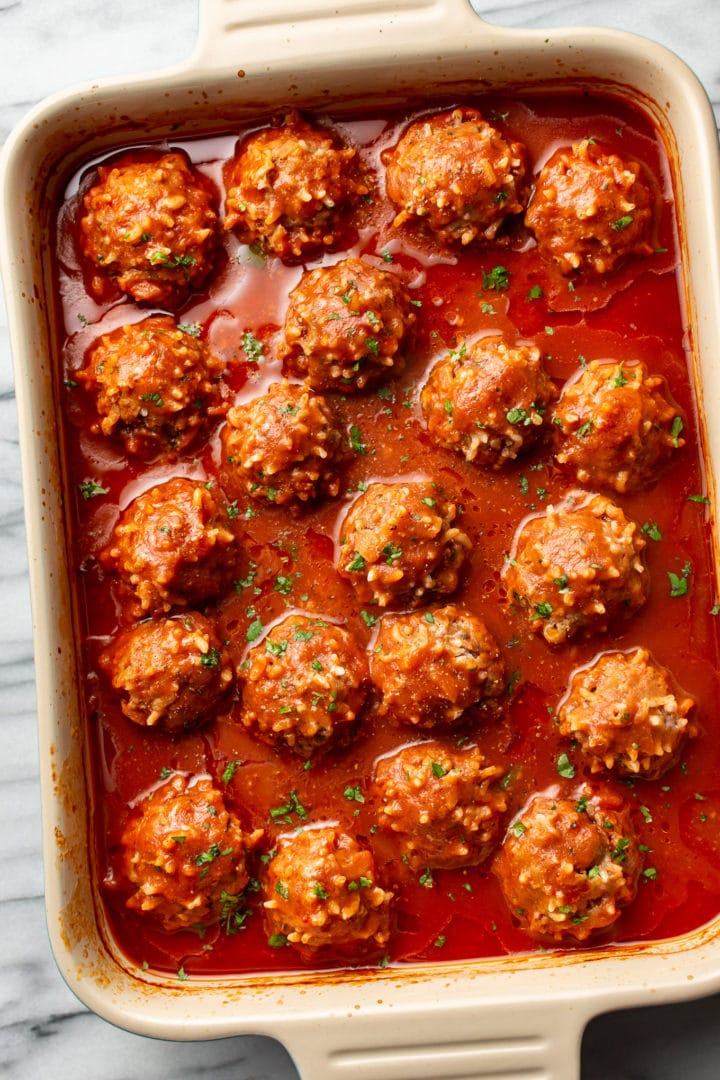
622, 222
498, 278
565, 767
652, 529
679, 582
353, 794
193, 329
357, 564
211, 658
252, 348
254, 630
676, 430
230, 770
90, 489
356, 440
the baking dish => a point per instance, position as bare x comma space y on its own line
512, 1017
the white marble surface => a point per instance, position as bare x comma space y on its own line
46, 45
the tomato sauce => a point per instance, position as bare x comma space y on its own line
636, 313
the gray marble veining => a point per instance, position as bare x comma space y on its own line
46, 45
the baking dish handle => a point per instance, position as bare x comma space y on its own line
512, 1041
232, 33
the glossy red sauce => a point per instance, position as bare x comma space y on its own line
636, 313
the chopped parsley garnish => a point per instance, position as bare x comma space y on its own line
517, 416
211, 658
498, 278
254, 630
622, 222
90, 489
357, 564
232, 913
276, 648
392, 553
356, 440
542, 611
519, 829
369, 619
193, 329
229, 770
535, 293
353, 794
651, 529
565, 767
277, 941
283, 585
437, 770
585, 429
252, 348
676, 430
291, 806
679, 582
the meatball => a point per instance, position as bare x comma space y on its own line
171, 546
430, 666
457, 175
156, 385
304, 685
590, 210
323, 894
398, 543
568, 867
150, 229
347, 326
170, 673
186, 854
627, 714
614, 426
442, 806
283, 447
576, 567
487, 402
289, 189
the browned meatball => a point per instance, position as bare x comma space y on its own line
156, 385
443, 806
430, 666
170, 673
615, 426
458, 175
628, 714
283, 447
150, 229
323, 894
172, 546
487, 401
590, 209
576, 567
304, 685
347, 325
398, 543
185, 852
568, 867
290, 187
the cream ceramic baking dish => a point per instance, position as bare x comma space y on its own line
515, 1017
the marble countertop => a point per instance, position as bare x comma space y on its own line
47, 45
